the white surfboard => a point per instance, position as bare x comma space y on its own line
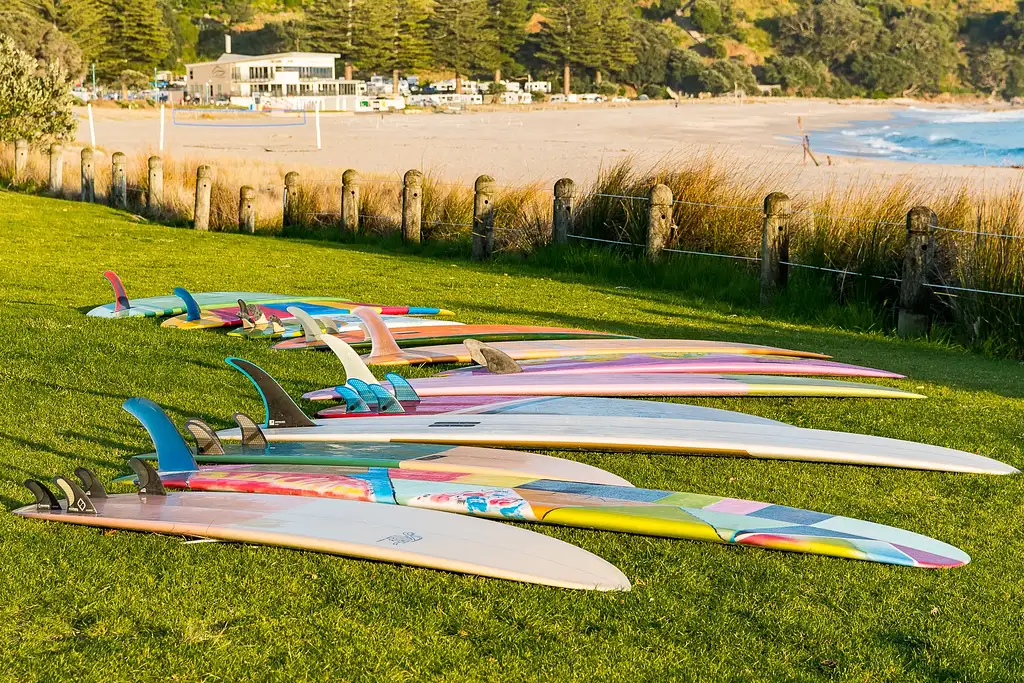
402, 535
642, 434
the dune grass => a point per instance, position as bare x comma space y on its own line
84, 604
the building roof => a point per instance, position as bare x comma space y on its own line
233, 57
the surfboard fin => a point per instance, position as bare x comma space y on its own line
404, 391
278, 406
121, 301
148, 479
498, 362
45, 500
386, 400
252, 435
78, 502
90, 483
207, 441
382, 342
172, 453
330, 325
276, 326
363, 389
353, 402
191, 307
354, 366
310, 327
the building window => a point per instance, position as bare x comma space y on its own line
292, 89
261, 73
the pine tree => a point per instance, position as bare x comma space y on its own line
79, 19
462, 37
569, 36
616, 33
136, 38
508, 21
331, 26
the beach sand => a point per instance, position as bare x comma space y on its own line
525, 146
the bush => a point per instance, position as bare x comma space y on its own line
34, 103
706, 15
608, 89
717, 47
655, 92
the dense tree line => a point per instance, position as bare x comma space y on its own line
819, 47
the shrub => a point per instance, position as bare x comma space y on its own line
34, 103
706, 15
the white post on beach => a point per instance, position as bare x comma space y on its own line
161, 147
92, 128
317, 115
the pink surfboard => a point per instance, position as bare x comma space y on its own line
713, 363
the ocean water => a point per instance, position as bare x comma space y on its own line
945, 136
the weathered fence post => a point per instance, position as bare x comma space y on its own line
204, 185
350, 200
412, 206
774, 245
483, 218
561, 211
247, 210
155, 199
118, 181
659, 221
88, 176
20, 160
290, 213
918, 254
56, 169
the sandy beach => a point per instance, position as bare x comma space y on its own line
541, 145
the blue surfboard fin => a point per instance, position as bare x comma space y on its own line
191, 307
386, 400
363, 389
353, 403
403, 390
278, 406
172, 453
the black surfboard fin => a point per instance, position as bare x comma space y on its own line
252, 435
207, 441
280, 408
149, 481
45, 500
78, 502
90, 483
498, 362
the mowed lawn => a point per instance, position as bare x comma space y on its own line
78, 603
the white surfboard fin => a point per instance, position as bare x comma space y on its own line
45, 500
148, 480
330, 325
497, 362
207, 441
382, 342
252, 435
354, 366
90, 483
310, 327
78, 502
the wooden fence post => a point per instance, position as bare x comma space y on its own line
412, 206
56, 169
20, 160
774, 245
659, 221
561, 211
290, 215
118, 181
247, 210
204, 185
350, 201
88, 176
483, 218
918, 255
155, 198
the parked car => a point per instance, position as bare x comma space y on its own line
620, 98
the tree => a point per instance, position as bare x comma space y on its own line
136, 38
35, 102
77, 19
462, 37
390, 36
988, 70
568, 36
331, 27
830, 31
616, 33
1014, 78
652, 46
725, 75
43, 41
794, 74
706, 15
683, 71
508, 23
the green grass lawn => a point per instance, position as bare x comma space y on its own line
80, 603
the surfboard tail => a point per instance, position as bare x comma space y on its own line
279, 408
121, 301
173, 454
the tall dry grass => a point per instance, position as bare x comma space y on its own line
856, 228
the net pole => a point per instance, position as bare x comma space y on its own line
161, 147
92, 127
317, 115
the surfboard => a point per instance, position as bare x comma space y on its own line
286, 422
423, 457
348, 326
670, 514
386, 351
395, 534
663, 384
411, 336
695, 363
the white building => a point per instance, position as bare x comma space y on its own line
287, 80
537, 86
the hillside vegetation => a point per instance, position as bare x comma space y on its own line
872, 48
